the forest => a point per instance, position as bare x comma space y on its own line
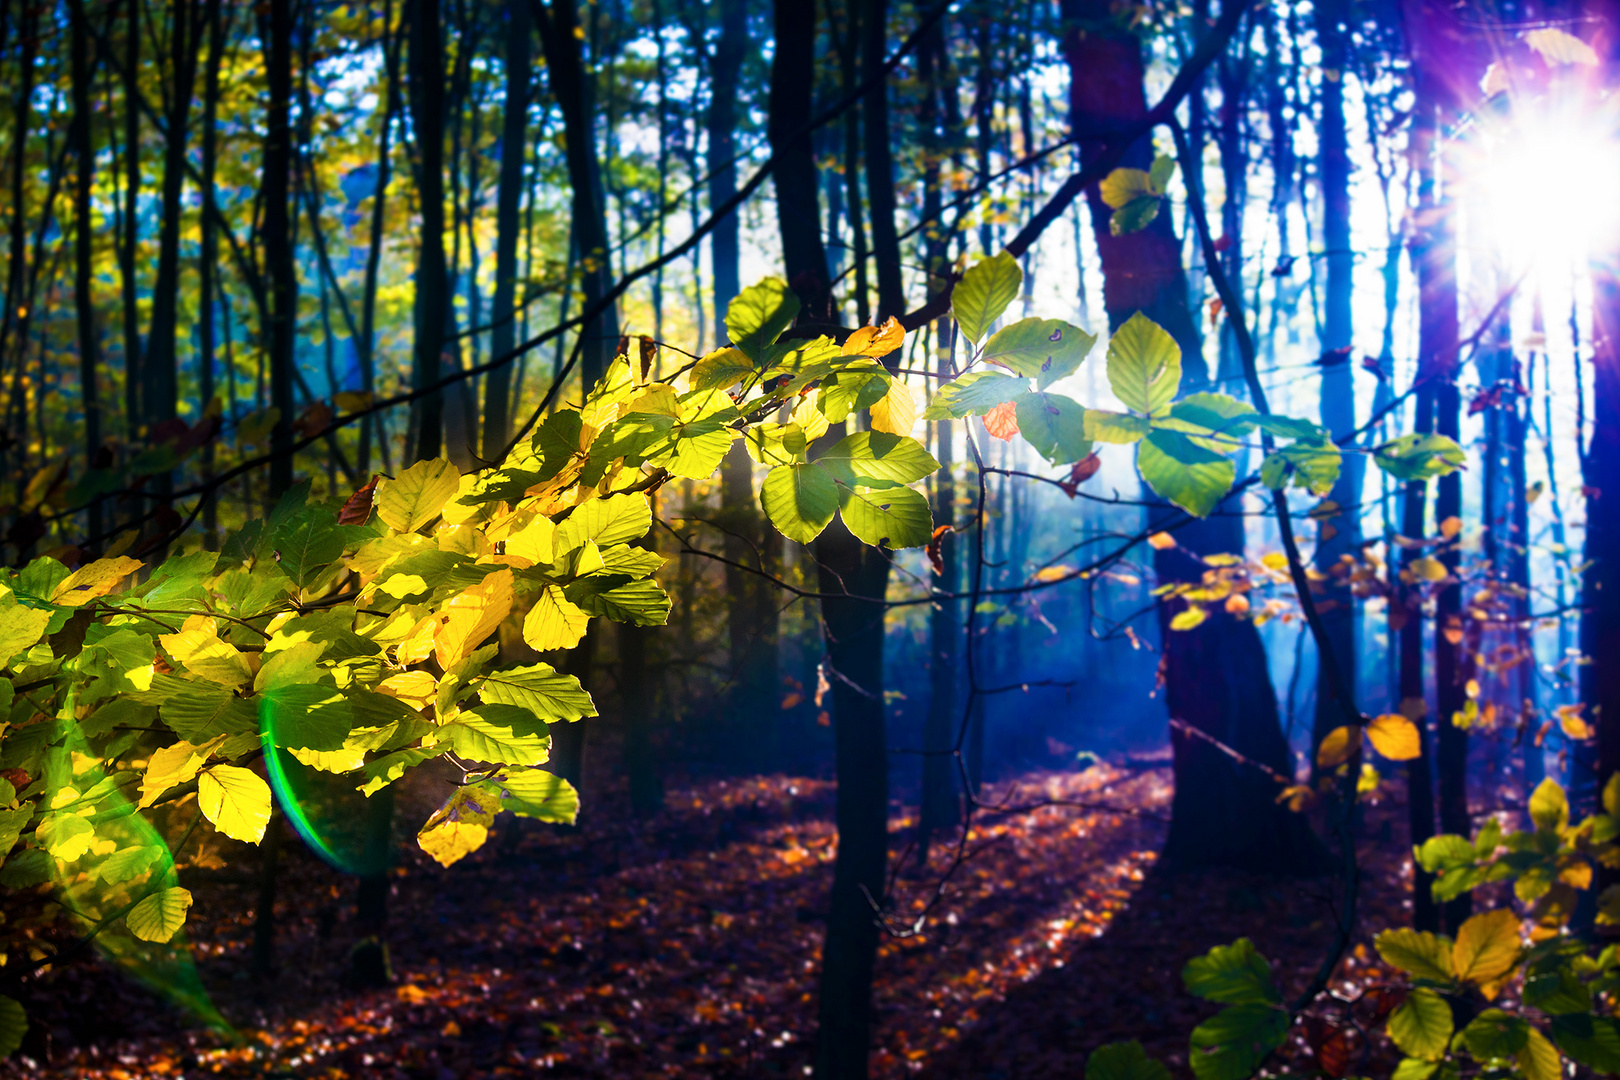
833, 538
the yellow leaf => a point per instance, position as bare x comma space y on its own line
1051, 573
459, 827
554, 622
417, 645
1395, 737
203, 653
159, 916
173, 765
896, 413
416, 688
1186, 620
94, 580
1429, 568
1297, 796
417, 495
1159, 541
1275, 561
1487, 946
20, 628
1122, 186
1573, 724
534, 541
1538, 1058
875, 341
236, 800
1337, 746
472, 616
1561, 47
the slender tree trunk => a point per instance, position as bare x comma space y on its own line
16, 317
208, 255
725, 243
161, 396
84, 303
426, 81
879, 149
366, 347
131, 220
640, 716
279, 256
1406, 621
570, 87
1338, 533
942, 789
1216, 675
798, 209
849, 55
514, 143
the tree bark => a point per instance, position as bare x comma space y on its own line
570, 86
798, 209
160, 389
1216, 675
366, 347
942, 788
280, 259
508, 197
208, 254
725, 242
1338, 533
426, 90
84, 304
131, 220
879, 152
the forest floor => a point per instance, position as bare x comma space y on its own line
686, 946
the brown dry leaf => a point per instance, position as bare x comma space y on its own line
1337, 746
1002, 421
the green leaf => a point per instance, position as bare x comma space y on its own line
1416, 952
539, 689
202, 710
130, 863
1134, 216
1415, 1069
1539, 1059
1124, 1061
897, 517
1164, 168
306, 716
1054, 425
973, 394
757, 316
13, 1025
1549, 808
1287, 427
1422, 1025
160, 916
11, 826
1557, 992
1593, 1041
1220, 414
307, 543
720, 369
1445, 852
1193, 478
1234, 974
537, 794
1494, 1034
1313, 466
477, 739
1045, 350
984, 293
1144, 365
800, 500
858, 387
1419, 457
390, 767
1123, 186
20, 628
1121, 429
620, 598
877, 459
415, 496
1231, 1044
617, 519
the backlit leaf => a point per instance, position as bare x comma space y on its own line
236, 800
159, 916
1144, 365
1422, 1025
800, 500
1487, 946
984, 293
417, 495
1395, 737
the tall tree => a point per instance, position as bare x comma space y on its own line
730, 49
208, 291
1216, 675
280, 259
879, 153
84, 301
130, 218
1339, 530
798, 209
941, 791
572, 88
508, 197
161, 371
425, 80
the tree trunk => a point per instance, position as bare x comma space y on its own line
879, 149
640, 717
514, 145
161, 375
208, 255
942, 788
1338, 533
854, 644
1216, 675
366, 347
570, 85
798, 210
131, 220
84, 304
726, 67
279, 257
425, 78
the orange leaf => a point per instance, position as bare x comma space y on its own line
875, 341
1002, 421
